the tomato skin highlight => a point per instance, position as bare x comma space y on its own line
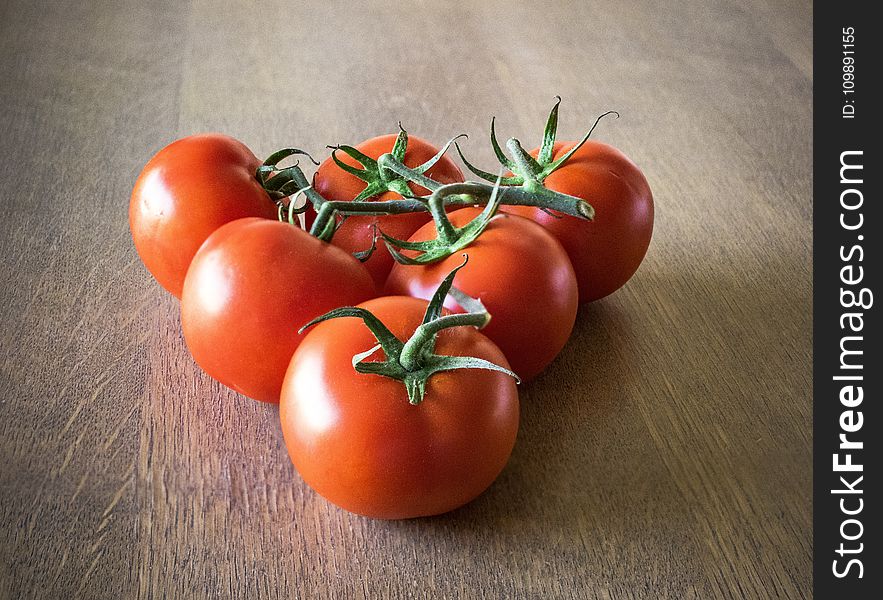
606, 251
522, 275
357, 441
356, 233
187, 191
250, 287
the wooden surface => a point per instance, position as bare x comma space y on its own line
666, 454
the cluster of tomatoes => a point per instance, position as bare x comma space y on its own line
393, 403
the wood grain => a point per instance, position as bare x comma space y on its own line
666, 453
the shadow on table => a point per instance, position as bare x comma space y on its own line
602, 429
569, 419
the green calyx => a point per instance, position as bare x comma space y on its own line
414, 361
527, 170
449, 238
380, 179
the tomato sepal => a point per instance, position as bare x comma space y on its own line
449, 238
364, 255
489, 176
393, 164
526, 169
377, 175
550, 167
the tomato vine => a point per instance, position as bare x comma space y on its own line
389, 172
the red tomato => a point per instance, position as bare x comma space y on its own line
358, 442
522, 275
187, 190
250, 287
356, 233
607, 251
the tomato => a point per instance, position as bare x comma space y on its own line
250, 287
607, 251
184, 193
521, 274
356, 233
357, 440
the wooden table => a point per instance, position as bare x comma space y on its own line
666, 454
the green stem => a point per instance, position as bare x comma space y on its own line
446, 230
525, 165
534, 193
451, 195
413, 350
301, 183
387, 207
323, 225
328, 209
471, 193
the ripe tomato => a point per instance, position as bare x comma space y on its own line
520, 273
356, 233
250, 287
185, 192
607, 251
357, 440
